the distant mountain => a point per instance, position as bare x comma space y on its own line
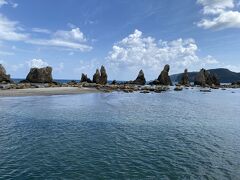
224, 75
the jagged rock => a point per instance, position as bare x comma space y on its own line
184, 80
84, 78
3, 76
103, 77
96, 77
204, 78
163, 78
40, 75
140, 80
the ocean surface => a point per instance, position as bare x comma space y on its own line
171, 135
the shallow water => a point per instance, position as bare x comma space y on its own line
172, 135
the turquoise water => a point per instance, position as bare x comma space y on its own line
172, 135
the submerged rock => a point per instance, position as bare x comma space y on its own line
204, 78
84, 78
40, 75
3, 75
185, 80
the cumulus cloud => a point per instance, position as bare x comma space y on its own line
137, 52
73, 35
37, 63
219, 14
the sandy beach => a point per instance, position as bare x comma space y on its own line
46, 91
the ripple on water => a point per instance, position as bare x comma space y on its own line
119, 136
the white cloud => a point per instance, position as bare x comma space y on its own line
219, 14
68, 40
10, 31
14, 5
74, 35
37, 63
68, 45
139, 52
40, 30
3, 2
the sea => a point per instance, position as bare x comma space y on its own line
171, 135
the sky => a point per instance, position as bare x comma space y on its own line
76, 37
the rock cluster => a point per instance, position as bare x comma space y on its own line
163, 78
140, 80
185, 80
3, 76
100, 77
205, 78
40, 75
84, 78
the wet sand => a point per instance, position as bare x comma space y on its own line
46, 91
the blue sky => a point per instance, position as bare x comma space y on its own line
77, 37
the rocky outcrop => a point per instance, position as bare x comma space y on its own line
3, 75
84, 78
185, 80
103, 77
163, 78
96, 77
204, 78
40, 75
140, 80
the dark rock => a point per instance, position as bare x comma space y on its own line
178, 88
205, 78
3, 76
72, 82
24, 81
140, 80
40, 75
163, 78
96, 77
236, 83
84, 78
145, 91
114, 82
103, 77
185, 80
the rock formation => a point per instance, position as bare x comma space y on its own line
3, 76
184, 80
96, 77
140, 80
84, 78
204, 78
103, 77
163, 78
40, 75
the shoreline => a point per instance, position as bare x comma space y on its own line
46, 91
